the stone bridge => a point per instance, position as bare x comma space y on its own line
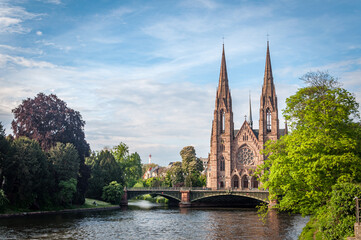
187, 197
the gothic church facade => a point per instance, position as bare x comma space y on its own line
235, 154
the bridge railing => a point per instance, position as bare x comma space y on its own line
193, 189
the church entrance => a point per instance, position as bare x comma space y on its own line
235, 182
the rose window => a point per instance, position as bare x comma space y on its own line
245, 156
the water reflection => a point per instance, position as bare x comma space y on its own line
145, 220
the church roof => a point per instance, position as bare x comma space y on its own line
256, 132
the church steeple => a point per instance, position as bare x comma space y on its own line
223, 93
268, 124
222, 133
250, 121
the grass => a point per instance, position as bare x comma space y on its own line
88, 204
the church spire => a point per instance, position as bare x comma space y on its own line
223, 88
268, 85
250, 121
223, 93
268, 124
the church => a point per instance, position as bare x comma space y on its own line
235, 153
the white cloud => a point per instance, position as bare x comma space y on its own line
24, 62
39, 33
12, 17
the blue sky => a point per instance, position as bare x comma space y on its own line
146, 72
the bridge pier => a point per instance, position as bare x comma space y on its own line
124, 200
185, 199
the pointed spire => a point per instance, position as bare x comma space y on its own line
268, 77
223, 78
268, 89
250, 121
223, 89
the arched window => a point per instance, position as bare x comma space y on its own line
235, 181
222, 164
254, 182
221, 184
245, 182
268, 114
223, 121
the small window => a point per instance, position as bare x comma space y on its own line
269, 120
222, 164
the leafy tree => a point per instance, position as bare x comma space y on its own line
113, 193
174, 176
322, 148
131, 164
3, 200
48, 120
27, 177
67, 190
65, 160
191, 165
104, 170
4, 152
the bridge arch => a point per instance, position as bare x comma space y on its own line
172, 196
230, 194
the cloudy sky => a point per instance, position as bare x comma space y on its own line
146, 72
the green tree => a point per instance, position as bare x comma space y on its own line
3, 200
131, 164
47, 119
192, 166
322, 148
104, 169
4, 155
113, 193
67, 190
27, 177
65, 160
174, 176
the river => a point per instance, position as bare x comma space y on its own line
145, 220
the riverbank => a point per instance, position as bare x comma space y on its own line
86, 207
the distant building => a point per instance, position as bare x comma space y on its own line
235, 154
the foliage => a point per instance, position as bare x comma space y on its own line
3, 200
322, 149
336, 220
67, 190
4, 152
104, 169
130, 164
191, 166
65, 160
27, 177
48, 120
113, 193
174, 176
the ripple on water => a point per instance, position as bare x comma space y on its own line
141, 222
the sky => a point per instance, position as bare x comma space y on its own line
146, 72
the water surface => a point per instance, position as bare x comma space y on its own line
145, 220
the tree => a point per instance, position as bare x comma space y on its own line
67, 190
48, 120
174, 176
4, 152
321, 150
192, 166
27, 179
113, 193
104, 169
65, 160
131, 164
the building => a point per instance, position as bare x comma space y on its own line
235, 154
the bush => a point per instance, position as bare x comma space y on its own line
113, 193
